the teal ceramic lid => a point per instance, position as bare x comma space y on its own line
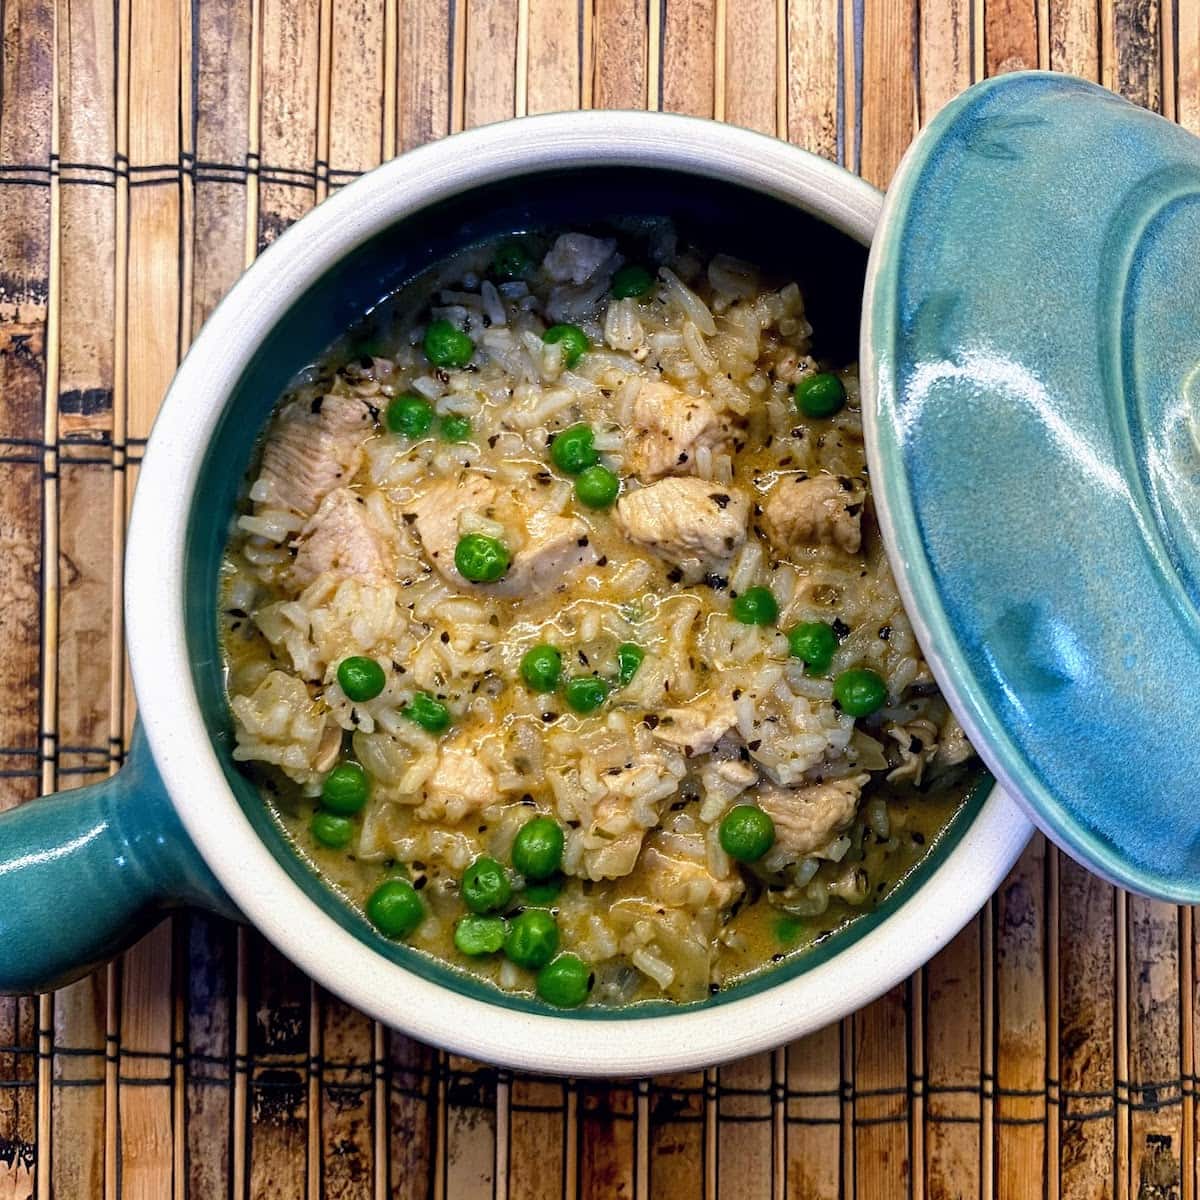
1031, 368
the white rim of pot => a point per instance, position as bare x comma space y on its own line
179, 740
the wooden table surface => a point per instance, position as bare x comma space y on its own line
148, 149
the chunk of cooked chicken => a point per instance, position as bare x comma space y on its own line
807, 818
668, 428
436, 513
723, 780
341, 537
686, 519
675, 870
546, 547
576, 257
460, 784
699, 727
824, 511
916, 742
553, 549
607, 835
953, 747
315, 447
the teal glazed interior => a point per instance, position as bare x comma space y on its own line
829, 266
1033, 321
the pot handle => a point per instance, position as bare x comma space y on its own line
84, 872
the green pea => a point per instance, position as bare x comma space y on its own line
573, 451
788, 929
819, 395
585, 693
813, 642
538, 848
597, 487
446, 346
432, 715
329, 829
541, 667
532, 939
632, 280
475, 935
565, 982
629, 658
345, 789
746, 833
542, 891
485, 886
395, 909
860, 691
512, 260
410, 415
480, 558
756, 606
455, 428
360, 678
575, 342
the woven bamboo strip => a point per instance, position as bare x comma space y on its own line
756, 95
536, 1139
1187, 63
1075, 39
411, 1118
145, 1094
882, 1134
1184, 68
881, 1109
555, 68
1155, 1067
1081, 938
1021, 1027
1155, 1091
889, 100
809, 1145
676, 1135
423, 72
620, 54
282, 1081
278, 1049
463, 1148
944, 49
688, 57
222, 62
27, 67
751, 83
468, 1166
86, 110
1085, 936
813, 61
491, 32
947, 1123
813, 1132
354, 108
953, 1054
1138, 68
1010, 35
744, 1132
48, 718
744, 1150
607, 1141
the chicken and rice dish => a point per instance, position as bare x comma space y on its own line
560, 638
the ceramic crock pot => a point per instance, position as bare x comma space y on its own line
81, 873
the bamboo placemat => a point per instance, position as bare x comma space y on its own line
148, 149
